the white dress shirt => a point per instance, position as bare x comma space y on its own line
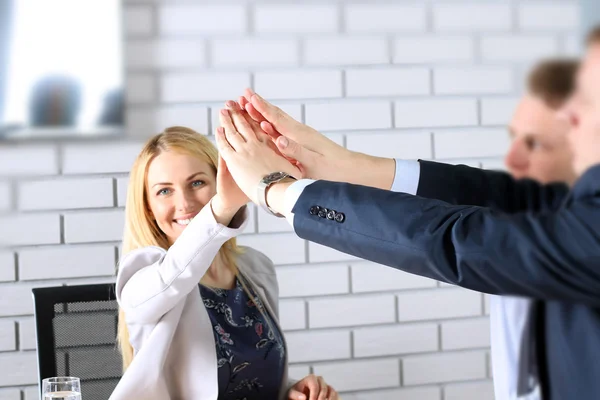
507, 313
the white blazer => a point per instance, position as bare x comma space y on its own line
169, 327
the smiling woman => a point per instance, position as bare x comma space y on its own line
199, 315
179, 186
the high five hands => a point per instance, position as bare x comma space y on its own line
257, 138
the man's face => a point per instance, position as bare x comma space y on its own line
539, 148
583, 112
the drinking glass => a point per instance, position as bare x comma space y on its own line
61, 388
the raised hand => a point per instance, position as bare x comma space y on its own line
247, 153
318, 157
316, 153
255, 125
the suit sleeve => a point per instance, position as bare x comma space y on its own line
463, 185
548, 255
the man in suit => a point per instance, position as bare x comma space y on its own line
540, 151
479, 229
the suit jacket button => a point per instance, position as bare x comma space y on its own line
323, 212
331, 215
314, 210
340, 217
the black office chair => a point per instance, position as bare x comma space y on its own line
76, 330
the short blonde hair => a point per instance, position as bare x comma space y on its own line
141, 230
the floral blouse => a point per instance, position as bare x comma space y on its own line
250, 351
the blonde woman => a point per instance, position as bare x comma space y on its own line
198, 316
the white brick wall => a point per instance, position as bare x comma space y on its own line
466, 334
314, 280
96, 226
7, 335
299, 84
435, 80
470, 391
448, 367
433, 49
344, 51
202, 19
435, 112
254, 52
5, 196
351, 310
518, 47
548, 16
166, 53
371, 277
471, 16
318, 345
33, 160
292, 18
387, 82
437, 304
349, 115
480, 80
370, 374
384, 18
192, 86
7, 266
145, 122
395, 339
67, 193
66, 262
497, 110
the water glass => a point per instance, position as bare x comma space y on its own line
61, 388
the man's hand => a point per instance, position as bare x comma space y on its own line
318, 156
312, 388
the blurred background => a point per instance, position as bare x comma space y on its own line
62, 73
83, 83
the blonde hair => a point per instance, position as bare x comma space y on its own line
141, 230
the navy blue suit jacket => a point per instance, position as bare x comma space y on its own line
484, 231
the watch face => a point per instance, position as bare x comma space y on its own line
275, 176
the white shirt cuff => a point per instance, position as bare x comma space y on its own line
407, 176
292, 194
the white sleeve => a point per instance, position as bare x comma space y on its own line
152, 280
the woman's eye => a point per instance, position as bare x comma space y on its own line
163, 192
197, 183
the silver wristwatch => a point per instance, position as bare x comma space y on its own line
261, 189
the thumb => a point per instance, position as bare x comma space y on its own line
222, 167
293, 394
222, 170
291, 149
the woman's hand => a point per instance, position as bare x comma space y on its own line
247, 152
229, 198
312, 387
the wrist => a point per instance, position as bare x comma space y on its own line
275, 194
223, 213
377, 172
